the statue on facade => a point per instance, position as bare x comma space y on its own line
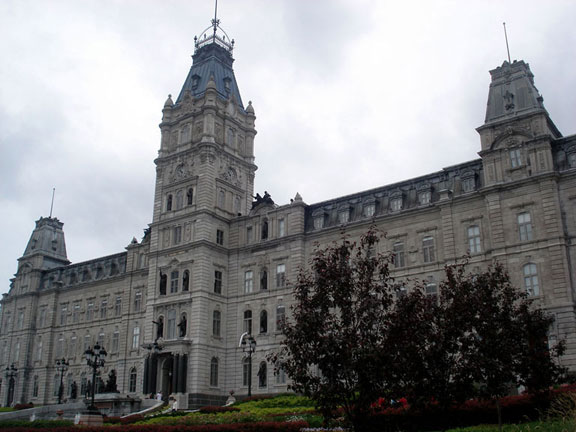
110, 386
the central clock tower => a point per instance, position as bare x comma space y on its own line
204, 179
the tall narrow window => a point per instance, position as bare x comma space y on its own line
220, 237
17, 351
186, 280
248, 281
87, 341
76, 312
115, 340
398, 250
38, 350
396, 204
280, 275
35, 386
169, 203
72, 346
118, 306
531, 283
217, 281
216, 319
179, 200
428, 251
214, 372
177, 235
280, 317
60, 346
136, 337
103, 308
249, 235
174, 279
474, 245
248, 321
515, 158
21, 318
525, 226
245, 372
221, 198
281, 227
90, 311
263, 322
281, 376
63, 314
171, 315
137, 301
132, 382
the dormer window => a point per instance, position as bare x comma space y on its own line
515, 158
468, 182
344, 215
396, 203
424, 197
195, 81
227, 82
318, 218
369, 209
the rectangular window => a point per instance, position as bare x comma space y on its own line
474, 245
135, 337
41, 318
281, 227
20, 320
137, 301
431, 288
515, 158
369, 209
171, 334
174, 278
216, 320
177, 235
220, 237
468, 184
344, 216
428, 251
398, 250
248, 282
90, 311
248, 321
72, 346
87, 342
118, 306
76, 312
39, 349
60, 347
249, 234
217, 281
525, 227
103, 308
280, 316
396, 204
115, 341
63, 314
425, 197
280, 275
531, 283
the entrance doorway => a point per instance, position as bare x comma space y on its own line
166, 377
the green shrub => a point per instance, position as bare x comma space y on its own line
284, 401
35, 424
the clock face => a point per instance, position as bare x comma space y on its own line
180, 170
232, 174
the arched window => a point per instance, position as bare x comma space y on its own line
214, 372
263, 279
179, 200
132, 382
262, 375
280, 317
263, 322
531, 283
216, 320
189, 196
169, 203
186, 280
248, 321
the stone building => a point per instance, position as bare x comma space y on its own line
214, 263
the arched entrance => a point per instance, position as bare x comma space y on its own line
11, 387
166, 377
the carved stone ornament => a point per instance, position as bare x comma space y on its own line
231, 175
180, 171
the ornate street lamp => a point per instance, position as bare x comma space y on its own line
248, 344
95, 359
11, 372
62, 367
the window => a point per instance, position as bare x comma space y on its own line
60, 346
169, 203
103, 308
177, 232
572, 160
248, 321
531, 283
263, 279
41, 318
90, 311
83, 383
72, 346
344, 216
249, 235
263, 322
21, 319
216, 320
262, 375
17, 351
525, 226
63, 314
137, 301
425, 197
474, 245
189, 196
398, 250
280, 275
221, 198
56, 383
214, 372
217, 281
237, 205
248, 282
281, 376
280, 317
39, 348
396, 204
132, 382
186, 280
431, 288
468, 183
428, 249
115, 340
179, 200
515, 158
171, 321
101, 337
87, 341
135, 337
369, 209
319, 221
35, 386
264, 233
118, 306
281, 227
220, 237
245, 372
76, 312
174, 276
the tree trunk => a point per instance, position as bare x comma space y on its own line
499, 410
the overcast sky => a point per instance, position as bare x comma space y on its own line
349, 95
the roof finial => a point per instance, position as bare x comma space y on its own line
215, 21
52, 203
506, 37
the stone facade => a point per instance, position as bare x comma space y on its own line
214, 263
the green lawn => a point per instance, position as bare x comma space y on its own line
547, 426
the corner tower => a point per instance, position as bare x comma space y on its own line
204, 180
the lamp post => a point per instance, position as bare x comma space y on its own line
95, 359
248, 344
61, 366
11, 372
